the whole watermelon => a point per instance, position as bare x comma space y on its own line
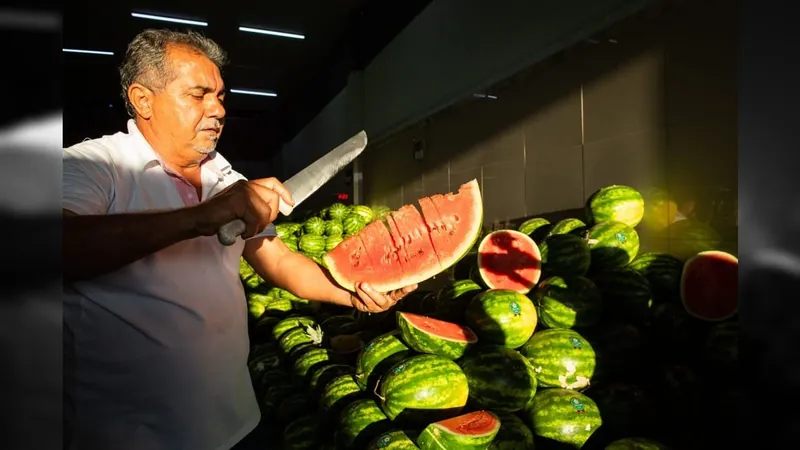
502, 317
568, 226
314, 226
663, 272
337, 212
570, 302
499, 378
626, 292
311, 243
635, 444
361, 422
612, 245
617, 203
322, 375
453, 299
332, 242
353, 223
301, 434
537, 228
513, 434
562, 358
364, 211
333, 228
395, 440
339, 392
565, 255
378, 356
564, 416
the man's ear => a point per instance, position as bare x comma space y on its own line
142, 100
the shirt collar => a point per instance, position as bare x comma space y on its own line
149, 158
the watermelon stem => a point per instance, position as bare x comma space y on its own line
375, 390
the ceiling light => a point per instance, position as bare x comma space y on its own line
249, 92
169, 19
90, 52
272, 33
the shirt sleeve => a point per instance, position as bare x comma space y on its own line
88, 184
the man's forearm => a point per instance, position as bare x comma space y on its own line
96, 245
304, 278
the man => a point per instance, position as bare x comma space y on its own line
155, 315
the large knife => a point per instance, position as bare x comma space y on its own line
304, 183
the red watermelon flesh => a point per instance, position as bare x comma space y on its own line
409, 237
710, 285
440, 328
379, 246
508, 259
474, 423
471, 431
416, 241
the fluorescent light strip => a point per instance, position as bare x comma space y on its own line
249, 92
90, 52
272, 33
169, 19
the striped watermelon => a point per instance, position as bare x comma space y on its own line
379, 212
289, 323
453, 299
394, 440
423, 388
337, 212
314, 226
471, 431
567, 302
353, 223
378, 356
561, 357
433, 336
565, 255
537, 228
333, 228
617, 203
361, 422
311, 243
292, 244
499, 378
322, 375
612, 245
286, 229
635, 443
311, 360
502, 317
568, 226
296, 337
564, 416
626, 293
513, 434
710, 286
663, 272
508, 259
301, 434
364, 211
338, 392
331, 242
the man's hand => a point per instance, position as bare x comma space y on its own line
255, 202
369, 300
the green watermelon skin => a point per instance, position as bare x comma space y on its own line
455, 433
663, 272
564, 416
285, 230
568, 226
294, 406
502, 317
361, 422
453, 299
423, 389
312, 243
571, 302
627, 294
291, 244
311, 360
612, 245
513, 434
301, 434
321, 376
616, 203
364, 211
353, 223
293, 339
424, 342
635, 443
276, 393
500, 379
562, 358
291, 322
333, 228
337, 212
378, 356
537, 228
395, 440
314, 226
565, 255
338, 391
332, 242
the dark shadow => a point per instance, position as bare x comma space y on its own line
294, 406
578, 294
326, 375
383, 367
509, 257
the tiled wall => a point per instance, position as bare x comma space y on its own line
656, 107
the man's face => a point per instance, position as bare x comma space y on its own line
188, 113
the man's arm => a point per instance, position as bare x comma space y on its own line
97, 244
301, 276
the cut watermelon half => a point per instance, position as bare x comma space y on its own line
411, 248
710, 286
472, 431
510, 260
435, 337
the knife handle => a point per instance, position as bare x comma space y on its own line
228, 233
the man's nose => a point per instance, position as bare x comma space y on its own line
215, 109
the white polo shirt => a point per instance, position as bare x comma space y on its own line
156, 352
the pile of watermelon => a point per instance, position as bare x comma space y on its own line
548, 335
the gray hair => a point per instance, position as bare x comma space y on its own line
146, 58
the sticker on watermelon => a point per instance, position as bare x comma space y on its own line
710, 286
510, 260
412, 247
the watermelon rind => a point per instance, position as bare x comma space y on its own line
360, 422
564, 416
618, 203
513, 434
513, 258
562, 358
502, 317
378, 356
443, 436
423, 389
499, 378
472, 226
537, 228
425, 341
687, 275
568, 226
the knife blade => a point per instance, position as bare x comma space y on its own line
303, 184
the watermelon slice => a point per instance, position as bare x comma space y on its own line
474, 430
435, 337
425, 246
710, 286
510, 260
